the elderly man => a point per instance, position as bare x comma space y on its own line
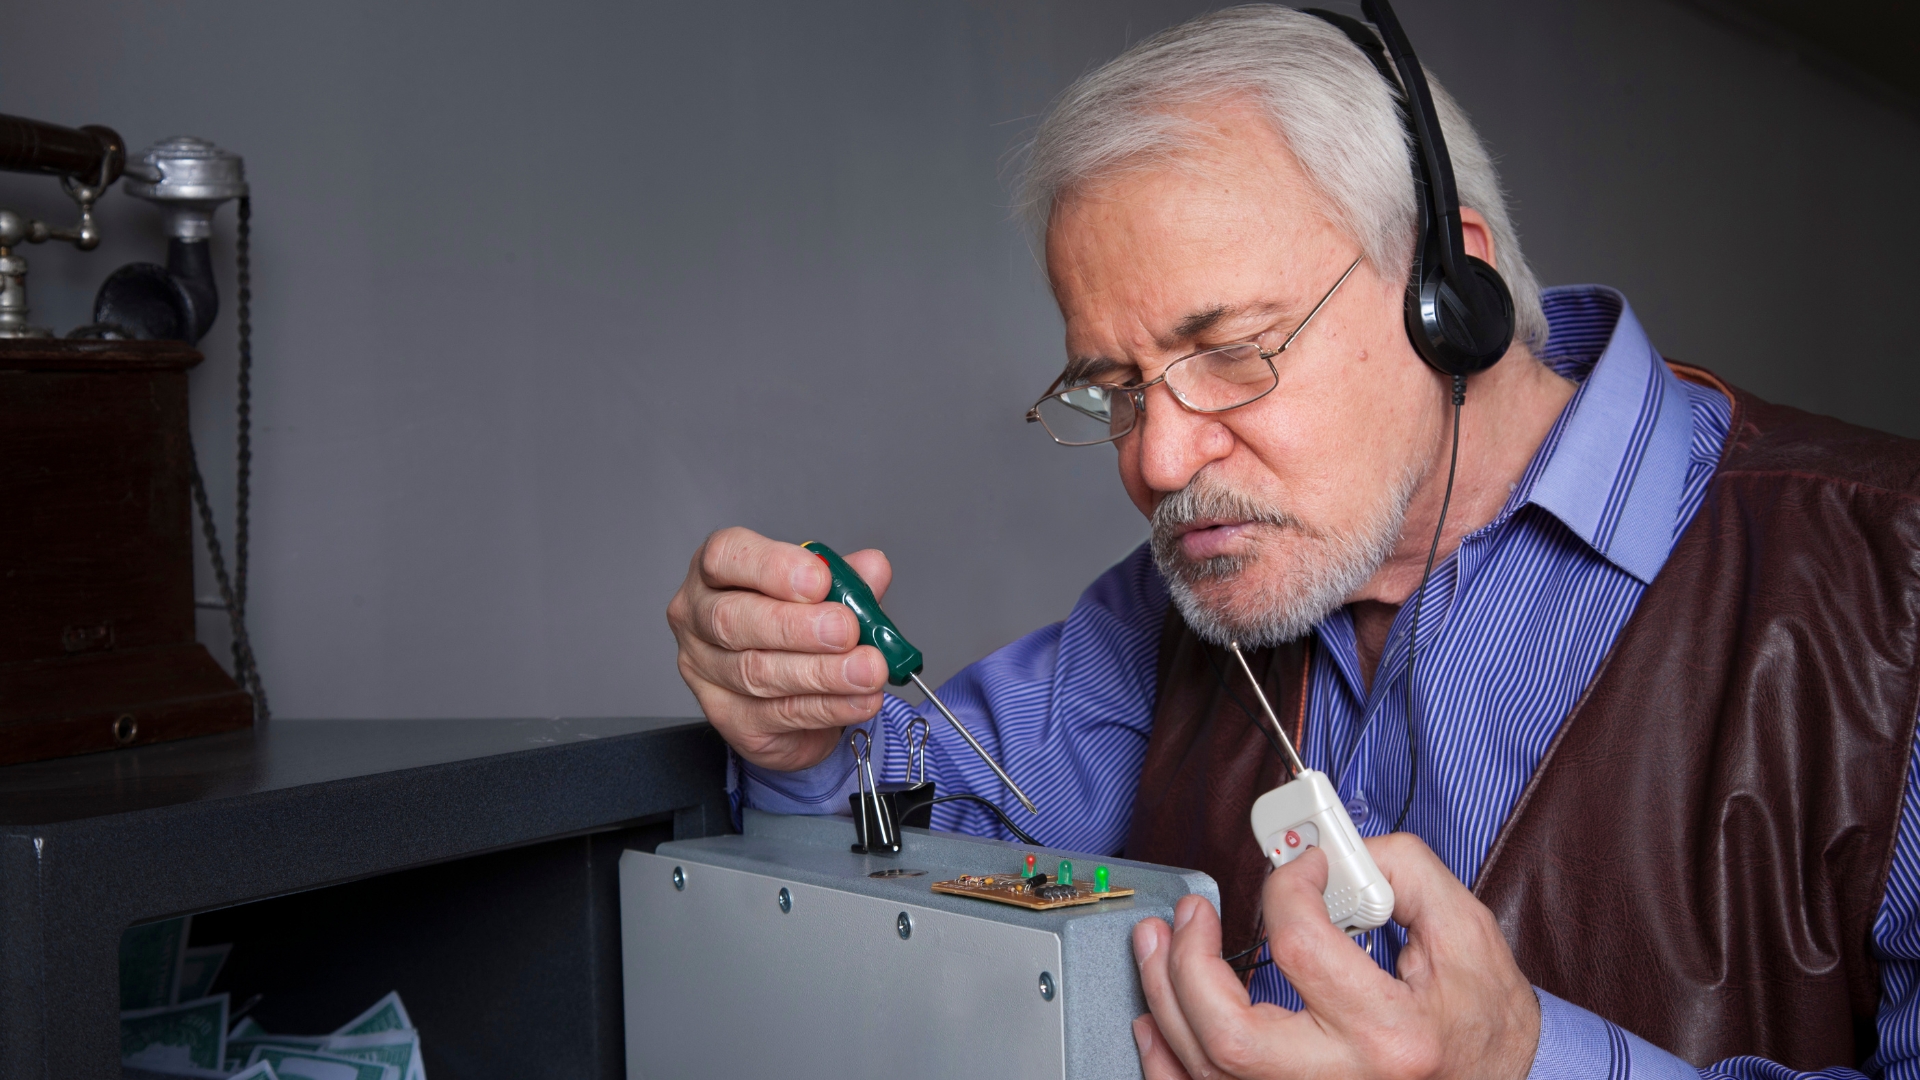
1632, 755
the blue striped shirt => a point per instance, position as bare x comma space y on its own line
1513, 627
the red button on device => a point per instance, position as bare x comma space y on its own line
1293, 838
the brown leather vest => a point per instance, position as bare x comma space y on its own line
1701, 852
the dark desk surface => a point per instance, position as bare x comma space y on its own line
90, 845
282, 754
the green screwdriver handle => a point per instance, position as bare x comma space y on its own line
849, 588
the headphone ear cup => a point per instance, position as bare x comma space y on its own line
1460, 327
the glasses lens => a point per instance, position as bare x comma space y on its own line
1087, 415
1222, 378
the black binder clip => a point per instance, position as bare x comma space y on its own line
914, 800
879, 810
876, 824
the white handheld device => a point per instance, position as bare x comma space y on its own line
1307, 812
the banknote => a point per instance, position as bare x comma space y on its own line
244, 1027
198, 968
387, 1014
190, 1035
400, 1049
259, 1071
240, 1050
289, 1062
150, 963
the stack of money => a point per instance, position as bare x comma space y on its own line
379, 1044
169, 1023
171, 1026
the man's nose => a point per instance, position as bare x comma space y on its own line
1175, 442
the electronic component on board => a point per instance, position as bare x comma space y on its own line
1030, 889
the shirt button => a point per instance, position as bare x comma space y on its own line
1357, 809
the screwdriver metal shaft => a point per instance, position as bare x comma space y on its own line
975, 743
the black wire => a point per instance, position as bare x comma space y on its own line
1420, 595
1255, 966
1459, 398
1253, 948
997, 812
1220, 676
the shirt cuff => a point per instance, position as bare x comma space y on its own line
822, 789
1575, 1043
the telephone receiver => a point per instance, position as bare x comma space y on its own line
187, 178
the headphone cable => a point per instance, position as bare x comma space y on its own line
1420, 595
997, 812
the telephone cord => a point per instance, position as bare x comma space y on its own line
242, 648
233, 590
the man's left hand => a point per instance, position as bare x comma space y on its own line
1460, 1007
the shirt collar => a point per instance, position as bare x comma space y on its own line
1614, 467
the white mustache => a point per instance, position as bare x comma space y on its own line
1206, 499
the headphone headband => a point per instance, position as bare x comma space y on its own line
1459, 313
1442, 199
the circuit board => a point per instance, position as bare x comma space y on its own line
1022, 892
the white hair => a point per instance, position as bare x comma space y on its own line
1325, 99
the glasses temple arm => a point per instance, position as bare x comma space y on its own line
1304, 323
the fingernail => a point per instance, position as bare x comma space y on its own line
1182, 913
1142, 951
860, 670
1142, 1036
832, 630
803, 578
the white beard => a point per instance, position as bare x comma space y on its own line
1330, 569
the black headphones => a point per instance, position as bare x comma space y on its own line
1459, 311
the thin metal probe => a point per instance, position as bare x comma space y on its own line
977, 748
1293, 759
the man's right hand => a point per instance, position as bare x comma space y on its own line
777, 671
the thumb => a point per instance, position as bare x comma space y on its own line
872, 566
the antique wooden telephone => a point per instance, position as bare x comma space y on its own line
97, 467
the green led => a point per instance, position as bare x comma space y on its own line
1027, 870
1100, 879
1066, 872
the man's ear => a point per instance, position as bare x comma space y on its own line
1478, 236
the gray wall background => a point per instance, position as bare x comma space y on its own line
546, 292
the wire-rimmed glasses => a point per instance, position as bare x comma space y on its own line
1209, 381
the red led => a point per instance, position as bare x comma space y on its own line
1293, 838
1029, 870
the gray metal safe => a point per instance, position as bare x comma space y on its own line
777, 953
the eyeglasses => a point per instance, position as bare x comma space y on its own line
1210, 381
